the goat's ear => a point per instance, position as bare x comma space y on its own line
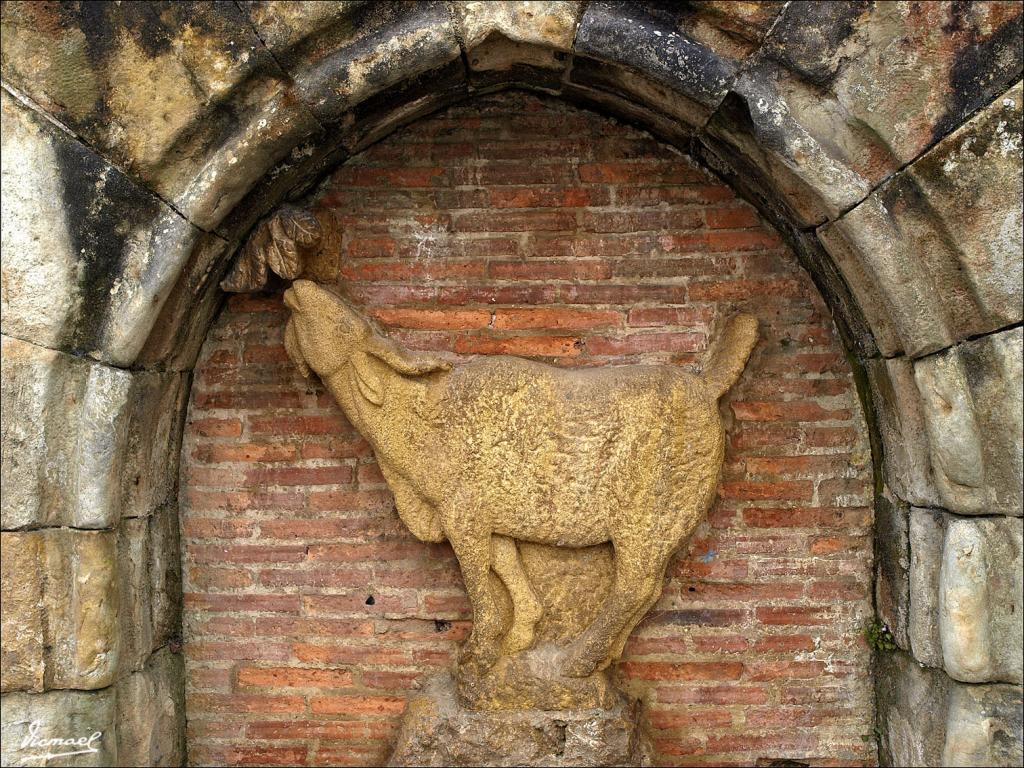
367, 371
402, 360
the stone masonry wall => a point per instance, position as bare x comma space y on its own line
517, 225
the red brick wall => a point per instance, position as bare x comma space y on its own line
514, 224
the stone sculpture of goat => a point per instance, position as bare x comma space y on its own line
499, 449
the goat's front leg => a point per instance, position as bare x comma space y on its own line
526, 607
474, 553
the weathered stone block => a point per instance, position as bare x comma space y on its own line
84, 443
182, 95
165, 575
912, 705
156, 409
927, 719
150, 713
972, 400
807, 38
64, 427
238, 153
892, 585
393, 106
967, 595
623, 82
341, 54
22, 620
89, 256
40, 294
180, 328
61, 610
864, 285
981, 600
549, 24
756, 121
500, 36
983, 726
952, 222
901, 76
135, 614
28, 718
927, 536
973, 181
878, 240
81, 602
906, 451
896, 74
677, 58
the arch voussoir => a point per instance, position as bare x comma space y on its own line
90, 255
943, 225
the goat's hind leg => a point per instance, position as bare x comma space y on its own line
526, 607
638, 575
620, 641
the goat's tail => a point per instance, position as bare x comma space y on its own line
729, 354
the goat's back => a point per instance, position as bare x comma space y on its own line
560, 455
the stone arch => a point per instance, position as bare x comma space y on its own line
464, 254
142, 143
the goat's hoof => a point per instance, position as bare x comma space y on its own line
532, 612
477, 660
518, 639
578, 666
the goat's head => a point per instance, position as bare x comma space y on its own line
323, 330
325, 333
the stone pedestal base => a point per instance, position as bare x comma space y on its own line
437, 730
532, 680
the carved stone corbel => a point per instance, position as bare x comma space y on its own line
278, 245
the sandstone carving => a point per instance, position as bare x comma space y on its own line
500, 450
275, 247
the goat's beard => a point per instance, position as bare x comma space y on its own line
291, 346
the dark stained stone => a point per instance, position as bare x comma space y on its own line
626, 34
341, 54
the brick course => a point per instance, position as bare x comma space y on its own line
517, 225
